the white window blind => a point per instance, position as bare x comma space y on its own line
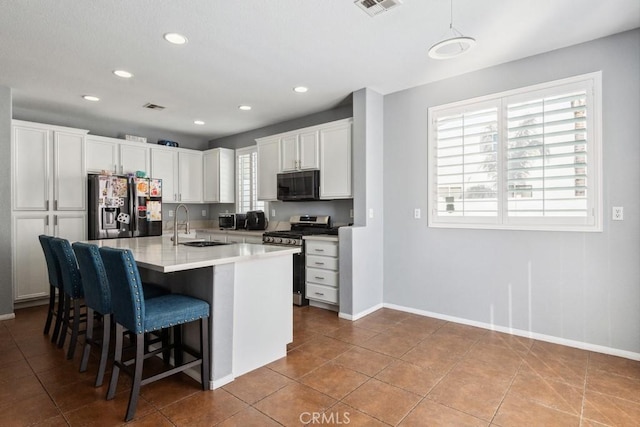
525, 159
246, 174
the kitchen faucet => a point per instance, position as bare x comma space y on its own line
175, 223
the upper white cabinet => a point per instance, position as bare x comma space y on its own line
102, 154
219, 175
190, 176
299, 151
134, 156
116, 155
268, 167
335, 160
48, 167
164, 166
326, 147
181, 173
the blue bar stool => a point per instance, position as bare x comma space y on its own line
55, 282
97, 297
72, 292
139, 316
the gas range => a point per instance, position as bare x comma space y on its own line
301, 225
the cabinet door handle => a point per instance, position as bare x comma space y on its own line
47, 206
55, 205
319, 278
175, 197
319, 293
55, 220
319, 263
319, 250
46, 221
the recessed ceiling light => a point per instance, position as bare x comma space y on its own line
300, 89
175, 38
91, 98
198, 122
122, 73
245, 107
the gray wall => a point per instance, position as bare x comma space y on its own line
6, 288
102, 127
361, 247
575, 286
248, 138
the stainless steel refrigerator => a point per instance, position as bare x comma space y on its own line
122, 206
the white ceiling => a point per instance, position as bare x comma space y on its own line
255, 51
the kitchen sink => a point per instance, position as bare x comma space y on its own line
203, 244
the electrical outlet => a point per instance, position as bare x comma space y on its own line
350, 213
370, 213
617, 213
273, 213
170, 214
204, 212
416, 213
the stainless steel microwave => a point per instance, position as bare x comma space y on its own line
232, 221
299, 186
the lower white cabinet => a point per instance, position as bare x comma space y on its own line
30, 278
322, 275
228, 237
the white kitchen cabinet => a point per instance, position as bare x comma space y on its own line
219, 175
335, 160
134, 156
190, 176
322, 275
299, 151
48, 167
164, 166
268, 168
102, 154
30, 278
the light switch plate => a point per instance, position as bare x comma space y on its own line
416, 213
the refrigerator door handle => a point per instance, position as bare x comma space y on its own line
132, 208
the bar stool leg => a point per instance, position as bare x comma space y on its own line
137, 377
117, 361
177, 349
75, 328
88, 339
104, 353
65, 321
52, 304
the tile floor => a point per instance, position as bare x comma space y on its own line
389, 368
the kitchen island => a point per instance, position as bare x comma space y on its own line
247, 285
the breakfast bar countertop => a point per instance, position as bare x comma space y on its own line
159, 254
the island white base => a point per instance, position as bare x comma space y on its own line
251, 319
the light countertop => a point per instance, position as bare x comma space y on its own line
159, 254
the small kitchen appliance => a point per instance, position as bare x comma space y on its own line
256, 220
232, 221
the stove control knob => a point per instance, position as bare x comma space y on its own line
277, 240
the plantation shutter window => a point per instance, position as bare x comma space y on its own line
247, 180
524, 159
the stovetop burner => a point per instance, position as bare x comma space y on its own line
301, 225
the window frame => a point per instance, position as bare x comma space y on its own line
592, 222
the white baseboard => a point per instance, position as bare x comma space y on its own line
221, 382
519, 332
8, 316
360, 315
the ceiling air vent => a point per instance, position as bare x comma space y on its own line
375, 7
151, 106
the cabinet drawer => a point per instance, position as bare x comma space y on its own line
315, 261
325, 277
322, 293
316, 247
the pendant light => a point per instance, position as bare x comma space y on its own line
453, 45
